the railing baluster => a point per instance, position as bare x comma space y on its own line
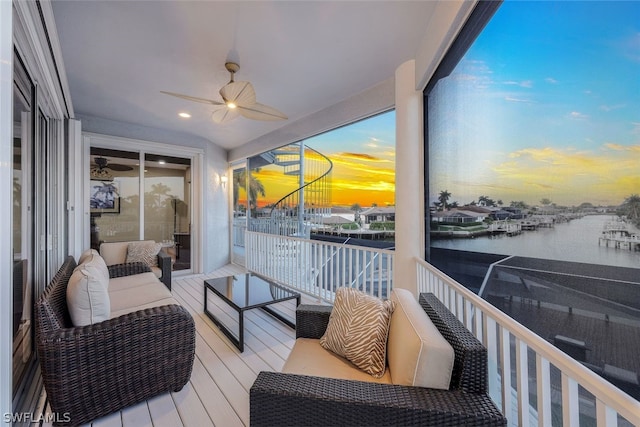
570, 404
605, 416
478, 323
505, 362
469, 315
543, 384
522, 376
492, 358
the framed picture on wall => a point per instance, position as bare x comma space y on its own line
104, 197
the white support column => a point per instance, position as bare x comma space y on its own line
6, 181
409, 178
75, 201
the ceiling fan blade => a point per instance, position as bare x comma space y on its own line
224, 115
241, 94
259, 111
193, 98
118, 167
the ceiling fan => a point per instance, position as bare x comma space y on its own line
238, 98
101, 170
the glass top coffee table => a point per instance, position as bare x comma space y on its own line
244, 292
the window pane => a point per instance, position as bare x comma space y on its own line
167, 213
22, 224
534, 176
114, 196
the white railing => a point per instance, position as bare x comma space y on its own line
318, 268
543, 386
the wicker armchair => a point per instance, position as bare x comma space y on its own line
289, 400
91, 371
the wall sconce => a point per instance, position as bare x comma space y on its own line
223, 181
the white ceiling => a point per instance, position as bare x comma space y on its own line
301, 56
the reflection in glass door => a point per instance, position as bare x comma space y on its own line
167, 206
22, 223
114, 196
240, 201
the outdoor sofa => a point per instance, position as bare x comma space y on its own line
117, 252
289, 399
144, 347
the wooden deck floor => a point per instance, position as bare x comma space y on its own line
218, 392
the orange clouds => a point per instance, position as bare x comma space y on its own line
568, 176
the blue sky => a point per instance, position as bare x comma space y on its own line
546, 105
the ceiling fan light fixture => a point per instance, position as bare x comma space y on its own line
101, 175
238, 98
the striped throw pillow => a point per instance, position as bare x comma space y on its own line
146, 252
358, 329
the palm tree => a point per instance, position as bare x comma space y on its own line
356, 208
631, 209
444, 198
255, 188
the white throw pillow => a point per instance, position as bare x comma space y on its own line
86, 254
417, 353
87, 295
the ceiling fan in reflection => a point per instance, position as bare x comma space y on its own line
101, 169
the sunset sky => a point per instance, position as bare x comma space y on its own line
547, 105
363, 156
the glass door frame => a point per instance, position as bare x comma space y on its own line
142, 148
233, 167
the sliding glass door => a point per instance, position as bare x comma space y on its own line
141, 196
23, 97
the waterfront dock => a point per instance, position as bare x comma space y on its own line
617, 235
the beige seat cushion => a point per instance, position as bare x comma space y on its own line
124, 282
309, 358
114, 252
87, 296
358, 329
131, 297
417, 353
158, 303
157, 271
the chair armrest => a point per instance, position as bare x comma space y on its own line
128, 269
93, 370
312, 320
292, 400
164, 262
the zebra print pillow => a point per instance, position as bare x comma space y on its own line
358, 329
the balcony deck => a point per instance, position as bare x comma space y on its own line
218, 392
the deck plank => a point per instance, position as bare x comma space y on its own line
137, 416
163, 411
191, 407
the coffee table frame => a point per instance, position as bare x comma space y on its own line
239, 340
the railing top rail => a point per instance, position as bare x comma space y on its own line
322, 242
604, 391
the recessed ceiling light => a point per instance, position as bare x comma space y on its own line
184, 115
